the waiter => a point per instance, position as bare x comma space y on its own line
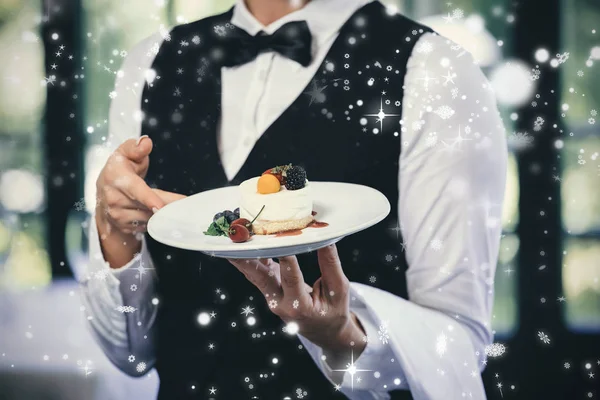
353, 93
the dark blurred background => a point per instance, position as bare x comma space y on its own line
58, 63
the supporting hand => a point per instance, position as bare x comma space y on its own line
322, 311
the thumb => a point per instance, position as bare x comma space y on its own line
168, 197
136, 149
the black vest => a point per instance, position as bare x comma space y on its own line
326, 130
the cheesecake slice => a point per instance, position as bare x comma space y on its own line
284, 210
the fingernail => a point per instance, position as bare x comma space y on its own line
154, 210
140, 139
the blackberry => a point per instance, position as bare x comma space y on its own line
230, 216
295, 178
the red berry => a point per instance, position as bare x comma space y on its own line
278, 172
277, 175
238, 233
244, 222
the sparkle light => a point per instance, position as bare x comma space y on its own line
351, 369
292, 328
203, 318
512, 83
542, 55
391, 10
150, 75
141, 269
381, 115
87, 368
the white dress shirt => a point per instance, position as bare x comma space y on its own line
451, 180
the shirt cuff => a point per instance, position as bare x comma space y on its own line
377, 370
132, 280
381, 370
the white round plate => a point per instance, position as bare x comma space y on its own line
347, 208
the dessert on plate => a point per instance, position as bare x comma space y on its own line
285, 194
277, 202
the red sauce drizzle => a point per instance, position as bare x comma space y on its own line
318, 224
296, 232
293, 232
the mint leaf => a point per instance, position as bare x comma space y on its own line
223, 225
222, 221
213, 230
218, 228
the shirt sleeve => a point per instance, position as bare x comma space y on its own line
119, 303
452, 180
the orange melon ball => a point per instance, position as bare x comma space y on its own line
268, 184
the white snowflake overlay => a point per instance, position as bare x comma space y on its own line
383, 332
444, 112
436, 244
543, 337
495, 350
125, 309
300, 394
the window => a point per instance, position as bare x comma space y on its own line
581, 166
23, 257
106, 45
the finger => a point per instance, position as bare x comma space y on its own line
316, 288
137, 189
333, 276
317, 294
258, 274
168, 197
134, 228
118, 168
136, 150
127, 217
112, 196
292, 280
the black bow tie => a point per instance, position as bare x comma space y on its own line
293, 40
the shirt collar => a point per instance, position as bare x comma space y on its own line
324, 17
